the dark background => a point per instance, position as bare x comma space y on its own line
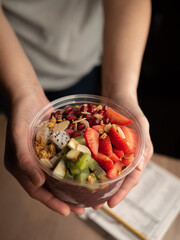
159, 86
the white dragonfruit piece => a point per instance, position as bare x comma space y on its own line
60, 138
44, 132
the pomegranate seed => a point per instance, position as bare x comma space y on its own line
95, 121
77, 113
58, 112
71, 112
88, 117
105, 120
71, 117
84, 109
70, 131
104, 108
75, 134
81, 126
58, 117
101, 112
90, 105
71, 126
68, 109
54, 114
93, 110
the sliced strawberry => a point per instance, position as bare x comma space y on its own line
128, 144
127, 159
98, 127
118, 152
104, 161
105, 145
114, 157
116, 118
115, 171
92, 139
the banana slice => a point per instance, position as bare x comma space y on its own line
46, 162
83, 148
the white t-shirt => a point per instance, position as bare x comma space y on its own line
62, 38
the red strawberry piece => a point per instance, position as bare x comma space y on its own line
115, 171
92, 140
116, 118
98, 127
128, 144
104, 161
105, 146
118, 152
114, 157
127, 159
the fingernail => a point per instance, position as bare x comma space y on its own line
140, 165
36, 178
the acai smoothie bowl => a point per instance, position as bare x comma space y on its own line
86, 145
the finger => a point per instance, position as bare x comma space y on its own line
43, 195
98, 206
130, 181
77, 210
140, 166
24, 165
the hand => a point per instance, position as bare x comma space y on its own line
132, 179
18, 160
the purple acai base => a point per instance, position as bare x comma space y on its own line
82, 196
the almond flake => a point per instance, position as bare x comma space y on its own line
101, 131
61, 126
79, 120
86, 113
101, 122
100, 107
128, 156
75, 126
104, 136
86, 123
99, 116
121, 133
107, 127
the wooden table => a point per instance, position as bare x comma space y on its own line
24, 218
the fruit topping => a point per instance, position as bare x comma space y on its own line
86, 143
116, 118
128, 144
92, 140
115, 171
104, 161
105, 146
60, 138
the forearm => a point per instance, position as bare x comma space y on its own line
17, 76
125, 35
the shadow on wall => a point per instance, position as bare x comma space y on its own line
159, 88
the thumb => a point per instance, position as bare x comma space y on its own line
28, 166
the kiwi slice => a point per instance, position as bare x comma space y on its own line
74, 170
68, 175
80, 140
82, 177
96, 169
82, 162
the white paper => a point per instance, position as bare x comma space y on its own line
150, 207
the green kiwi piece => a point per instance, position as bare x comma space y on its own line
80, 140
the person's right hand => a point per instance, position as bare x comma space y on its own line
18, 159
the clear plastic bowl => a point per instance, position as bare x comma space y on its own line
84, 194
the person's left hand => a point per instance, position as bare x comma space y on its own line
132, 179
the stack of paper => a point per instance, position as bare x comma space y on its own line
149, 208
